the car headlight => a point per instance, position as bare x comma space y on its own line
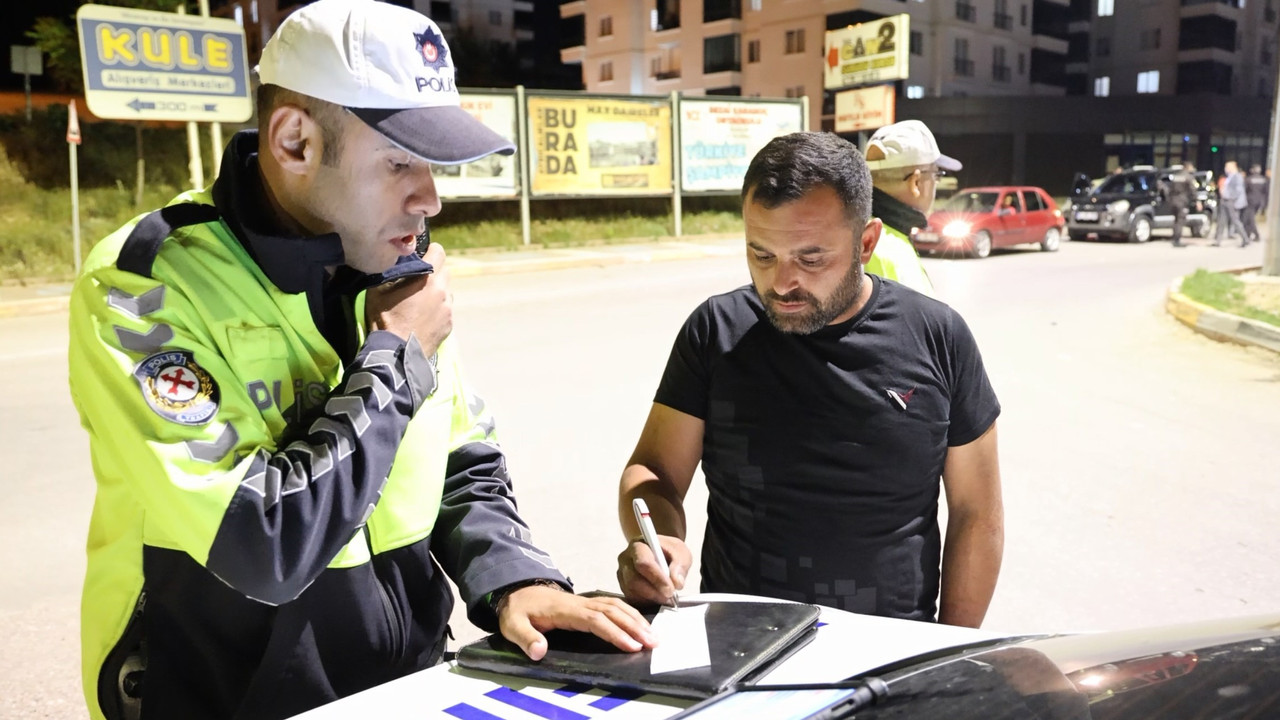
957, 229
1119, 206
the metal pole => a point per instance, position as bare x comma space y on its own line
522, 161
195, 164
215, 129
1271, 252
677, 185
75, 207
26, 84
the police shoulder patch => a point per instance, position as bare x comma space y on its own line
176, 388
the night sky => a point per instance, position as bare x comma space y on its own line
16, 18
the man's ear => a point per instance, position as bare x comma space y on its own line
913, 183
870, 238
293, 139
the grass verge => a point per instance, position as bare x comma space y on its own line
36, 236
1226, 292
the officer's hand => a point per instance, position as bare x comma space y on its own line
639, 576
419, 305
529, 611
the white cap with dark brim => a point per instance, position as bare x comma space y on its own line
908, 144
388, 65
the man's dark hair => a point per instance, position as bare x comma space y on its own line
790, 166
326, 114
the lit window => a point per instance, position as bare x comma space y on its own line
1102, 86
253, 11
1149, 81
239, 13
1106, 7
915, 92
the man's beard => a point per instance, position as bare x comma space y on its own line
821, 313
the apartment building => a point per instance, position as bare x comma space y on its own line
776, 48
1185, 48
1024, 91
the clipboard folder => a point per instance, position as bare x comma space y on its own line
745, 639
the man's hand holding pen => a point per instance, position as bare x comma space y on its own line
643, 573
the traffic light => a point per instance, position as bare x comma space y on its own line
1213, 148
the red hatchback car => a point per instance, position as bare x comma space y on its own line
975, 220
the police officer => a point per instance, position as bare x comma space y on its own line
288, 458
1179, 188
905, 167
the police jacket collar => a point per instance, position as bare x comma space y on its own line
895, 213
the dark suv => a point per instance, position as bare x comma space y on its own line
1129, 206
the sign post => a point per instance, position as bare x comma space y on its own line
145, 65
26, 60
73, 141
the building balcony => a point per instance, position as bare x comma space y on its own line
572, 8
1003, 21
1050, 44
964, 67
670, 74
966, 11
573, 55
722, 79
1001, 73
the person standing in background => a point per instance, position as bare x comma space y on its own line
905, 168
1256, 188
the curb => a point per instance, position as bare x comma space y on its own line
1219, 325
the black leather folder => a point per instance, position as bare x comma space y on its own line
745, 640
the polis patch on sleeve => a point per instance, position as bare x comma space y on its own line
177, 388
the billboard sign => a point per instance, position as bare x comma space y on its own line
494, 176
718, 138
865, 108
596, 145
870, 52
144, 65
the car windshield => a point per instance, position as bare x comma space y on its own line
1126, 184
970, 202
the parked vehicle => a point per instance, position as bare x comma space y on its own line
974, 221
1129, 206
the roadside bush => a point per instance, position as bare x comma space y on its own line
107, 157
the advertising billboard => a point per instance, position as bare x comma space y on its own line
144, 65
595, 145
866, 53
718, 138
865, 108
494, 176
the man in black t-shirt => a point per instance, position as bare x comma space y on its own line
824, 405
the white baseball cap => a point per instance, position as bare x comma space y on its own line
907, 144
389, 66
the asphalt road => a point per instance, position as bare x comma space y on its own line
1140, 460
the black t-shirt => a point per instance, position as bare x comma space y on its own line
823, 452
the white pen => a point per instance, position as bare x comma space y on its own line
651, 537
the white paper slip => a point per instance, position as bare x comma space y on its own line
682, 639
